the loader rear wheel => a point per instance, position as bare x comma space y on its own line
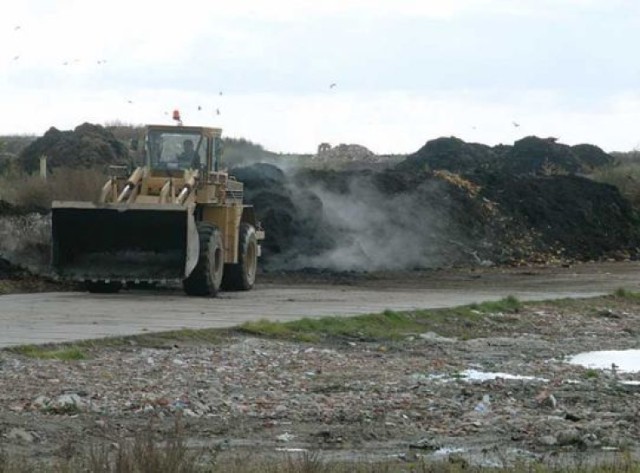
206, 277
242, 276
102, 287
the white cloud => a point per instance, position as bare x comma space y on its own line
385, 122
398, 87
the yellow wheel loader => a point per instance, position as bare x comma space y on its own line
177, 217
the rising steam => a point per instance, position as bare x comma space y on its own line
366, 227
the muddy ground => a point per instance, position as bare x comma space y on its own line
350, 397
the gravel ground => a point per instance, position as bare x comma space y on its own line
429, 394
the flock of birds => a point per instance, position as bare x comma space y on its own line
100, 62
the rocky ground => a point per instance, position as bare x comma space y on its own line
492, 387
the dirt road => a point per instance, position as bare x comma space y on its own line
56, 317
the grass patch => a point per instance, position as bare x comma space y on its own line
508, 304
70, 353
591, 374
464, 321
385, 325
145, 454
622, 293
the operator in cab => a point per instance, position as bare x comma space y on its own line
188, 158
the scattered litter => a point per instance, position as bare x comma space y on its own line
483, 406
546, 398
425, 444
475, 375
286, 437
434, 337
444, 451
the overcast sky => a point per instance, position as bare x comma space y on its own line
387, 74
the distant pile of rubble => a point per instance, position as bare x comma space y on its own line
346, 153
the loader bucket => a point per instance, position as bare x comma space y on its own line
118, 242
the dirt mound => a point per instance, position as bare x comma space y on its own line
591, 156
86, 146
365, 220
9, 271
578, 217
541, 155
396, 219
292, 215
25, 241
9, 209
347, 152
451, 154
530, 155
450, 203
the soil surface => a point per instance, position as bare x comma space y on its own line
429, 394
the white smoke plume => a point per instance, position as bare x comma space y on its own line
372, 230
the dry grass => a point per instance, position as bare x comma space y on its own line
143, 455
626, 177
63, 184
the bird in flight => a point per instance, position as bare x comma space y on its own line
17, 28
199, 108
217, 111
333, 85
516, 124
15, 58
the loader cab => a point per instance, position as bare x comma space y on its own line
176, 149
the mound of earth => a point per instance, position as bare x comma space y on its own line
540, 155
87, 145
576, 216
292, 214
530, 155
344, 152
8, 270
451, 154
450, 203
9, 209
396, 219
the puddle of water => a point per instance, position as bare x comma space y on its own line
625, 361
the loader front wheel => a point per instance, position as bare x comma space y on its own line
242, 276
206, 277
